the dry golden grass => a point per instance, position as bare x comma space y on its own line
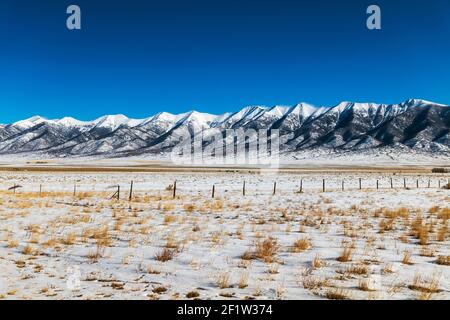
427, 252
407, 258
387, 268
27, 249
69, 239
364, 285
223, 280
190, 207
421, 284
346, 255
192, 294
301, 245
443, 260
266, 250
313, 282
337, 294
442, 233
243, 281
359, 269
12, 243
169, 218
95, 255
317, 262
165, 255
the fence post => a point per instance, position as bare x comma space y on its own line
243, 188
417, 183
392, 184
118, 192
343, 187
323, 185
174, 189
74, 189
131, 191
404, 183
213, 191
274, 188
360, 184
377, 184
40, 190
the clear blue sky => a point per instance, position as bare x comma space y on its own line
140, 57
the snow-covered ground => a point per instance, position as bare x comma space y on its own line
357, 244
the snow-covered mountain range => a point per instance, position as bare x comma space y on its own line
415, 125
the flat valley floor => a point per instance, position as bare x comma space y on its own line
66, 235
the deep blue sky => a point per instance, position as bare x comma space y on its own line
140, 57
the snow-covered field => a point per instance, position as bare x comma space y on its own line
356, 244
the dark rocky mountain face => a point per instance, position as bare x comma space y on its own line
413, 125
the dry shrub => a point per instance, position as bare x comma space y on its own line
189, 207
301, 245
427, 252
444, 214
169, 218
168, 206
365, 285
407, 258
337, 294
69, 239
443, 260
159, 290
243, 281
192, 294
430, 285
313, 282
165, 255
95, 255
434, 209
346, 255
386, 225
399, 213
317, 262
27, 250
223, 280
442, 233
266, 250
359, 269
13, 243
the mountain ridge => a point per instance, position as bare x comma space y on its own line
416, 124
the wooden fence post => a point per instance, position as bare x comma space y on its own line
40, 190
377, 184
174, 189
74, 189
392, 184
360, 184
274, 188
131, 191
301, 186
343, 186
118, 192
243, 189
213, 191
323, 185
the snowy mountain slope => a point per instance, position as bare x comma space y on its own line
411, 125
